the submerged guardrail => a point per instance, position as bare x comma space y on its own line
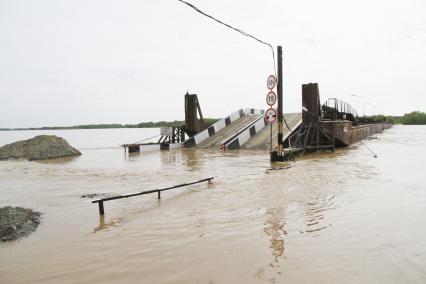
102, 200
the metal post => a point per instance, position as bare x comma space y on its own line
173, 134
159, 194
101, 208
278, 156
280, 102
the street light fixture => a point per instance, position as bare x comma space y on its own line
373, 106
363, 103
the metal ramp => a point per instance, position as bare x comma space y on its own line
262, 140
244, 129
245, 134
212, 136
234, 128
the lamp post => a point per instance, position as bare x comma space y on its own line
363, 103
373, 106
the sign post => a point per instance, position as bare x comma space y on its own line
278, 156
271, 98
270, 82
270, 115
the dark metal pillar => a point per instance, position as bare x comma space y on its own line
101, 208
278, 156
280, 101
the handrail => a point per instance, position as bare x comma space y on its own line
102, 200
340, 106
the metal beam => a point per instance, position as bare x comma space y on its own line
102, 200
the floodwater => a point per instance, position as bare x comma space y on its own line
345, 217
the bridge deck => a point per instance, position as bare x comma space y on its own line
261, 141
215, 140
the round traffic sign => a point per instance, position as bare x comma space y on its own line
271, 98
271, 81
270, 115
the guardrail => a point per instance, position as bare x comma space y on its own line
334, 108
102, 200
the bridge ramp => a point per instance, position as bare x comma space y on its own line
261, 141
213, 135
215, 140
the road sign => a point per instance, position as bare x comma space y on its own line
270, 115
271, 98
271, 81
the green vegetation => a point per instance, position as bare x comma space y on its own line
412, 118
150, 124
380, 118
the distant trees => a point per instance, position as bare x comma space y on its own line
175, 123
86, 126
379, 118
150, 124
414, 118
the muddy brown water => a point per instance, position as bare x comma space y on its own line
331, 218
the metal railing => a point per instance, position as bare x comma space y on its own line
158, 191
336, 109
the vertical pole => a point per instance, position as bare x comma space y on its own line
279, 154
317, 127
159, 194
280, 102
173, 134
363, 108
101, 208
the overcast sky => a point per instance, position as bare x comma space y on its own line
80, 62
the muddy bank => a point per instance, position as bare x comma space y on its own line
17, 222
41, 147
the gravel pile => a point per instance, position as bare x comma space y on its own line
38, 148
16, 222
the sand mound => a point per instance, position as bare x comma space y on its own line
16, 222
38, 148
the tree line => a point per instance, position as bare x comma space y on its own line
150, 124
412, 118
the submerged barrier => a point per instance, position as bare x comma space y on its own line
102, 200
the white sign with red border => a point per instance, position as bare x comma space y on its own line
270, 115
271, 98
271, 82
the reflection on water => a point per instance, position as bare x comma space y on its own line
316, 210
275, 229
101, 225
58, 161
341, 217
106, 225
191, 159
